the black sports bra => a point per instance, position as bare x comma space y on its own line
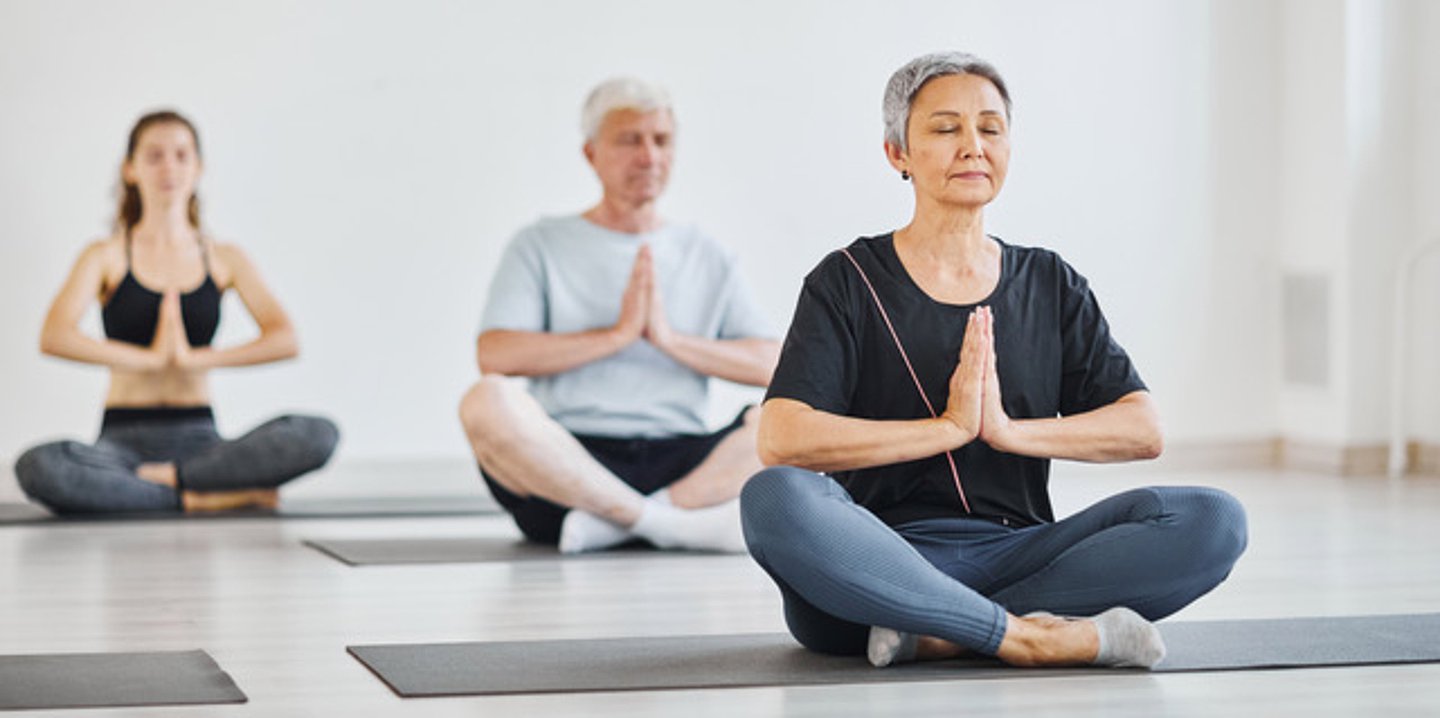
133, 311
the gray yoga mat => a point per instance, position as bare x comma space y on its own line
672, 662
102, 680
389, 551
333, 508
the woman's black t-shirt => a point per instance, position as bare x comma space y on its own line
1054, 356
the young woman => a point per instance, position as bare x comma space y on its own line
159, 279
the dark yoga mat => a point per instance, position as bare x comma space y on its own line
380, 552
102, 680
772, 659
334, 508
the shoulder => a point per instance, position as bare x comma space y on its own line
105, 253
547, 235
227, 254
229, 263
842, 268
103, 259
1038, 265
690, 240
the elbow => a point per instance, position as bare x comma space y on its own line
781, 438
50, 343
770, 454
1151, 443
1148, 437
287, 344
490, 359
772, 449
278, 341
57, 341
488, 365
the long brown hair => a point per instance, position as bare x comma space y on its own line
128, 215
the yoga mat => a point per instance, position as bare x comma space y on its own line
389, 551
102, 680
673, 662
333, 508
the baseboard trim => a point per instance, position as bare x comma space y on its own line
1332, 458
1219, 455
1424, 458
1321, 457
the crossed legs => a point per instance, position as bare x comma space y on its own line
184, 465
529, 454
842, 571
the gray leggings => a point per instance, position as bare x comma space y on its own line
70, 477
841, 570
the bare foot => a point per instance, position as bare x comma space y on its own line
1046, 619
1049, 641
929, 648
209, 501
1040, 639
157, 473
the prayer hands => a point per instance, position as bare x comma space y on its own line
965, 405
995, 424
975, 403
635, 302
171, 346
642, 310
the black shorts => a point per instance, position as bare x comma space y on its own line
648, 465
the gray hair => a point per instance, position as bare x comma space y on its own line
621, 93
905, 84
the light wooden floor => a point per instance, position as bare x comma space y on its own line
278, 616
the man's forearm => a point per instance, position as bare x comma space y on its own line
744, 361
520, 353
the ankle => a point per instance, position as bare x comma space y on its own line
157, 473
201, 501
1047, 643
929, 648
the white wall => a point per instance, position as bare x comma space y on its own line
1357, 173
373, 157
1314, 208
1424, 330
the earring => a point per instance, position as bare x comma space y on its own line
904, 176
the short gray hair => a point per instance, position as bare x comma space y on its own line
905, 84
620, 93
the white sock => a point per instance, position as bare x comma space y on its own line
582, 531
713, 528
663, 496
888, 646
1127, 640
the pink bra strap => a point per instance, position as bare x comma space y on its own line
954, 472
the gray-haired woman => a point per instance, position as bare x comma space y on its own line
935, 535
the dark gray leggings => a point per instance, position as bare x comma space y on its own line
71, 477
841, 570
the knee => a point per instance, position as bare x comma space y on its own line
315, 436
1218, 524
483, 407
34, 470
775, 498
772, 489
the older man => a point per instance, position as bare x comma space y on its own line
618, 318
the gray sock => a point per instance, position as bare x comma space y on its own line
1127, 640
888, 646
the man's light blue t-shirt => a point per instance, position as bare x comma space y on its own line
566, 274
